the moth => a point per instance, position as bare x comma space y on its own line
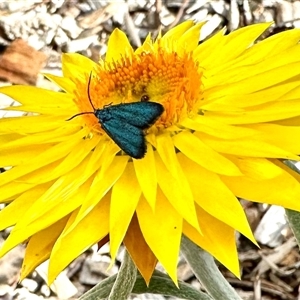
125, 123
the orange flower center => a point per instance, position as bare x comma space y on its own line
160, 76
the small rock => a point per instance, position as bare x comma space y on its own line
62, 286
10, 265
61, 38
30, 284
6, 291
49, 36
36, 41
71, 11
56, 20
212, 24
81, 44
184, 272
69, 25
45, 290
94, 271
269, 230
23, 293
196, 284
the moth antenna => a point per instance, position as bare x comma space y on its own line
83, 113
88, 91
89, 96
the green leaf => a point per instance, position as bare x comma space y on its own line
160, 284
165, 286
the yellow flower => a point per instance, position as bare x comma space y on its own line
231, 111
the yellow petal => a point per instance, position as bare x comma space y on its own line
136, 244
72, 243
12, 213
218, 239
233, 45
270, 47
176, 189
173, 35
65, 83
203, 155
42, 214
146, 175
55, 136
203, 53
105, 178
281, 136
274, 93
260, 77
166, 150
213, 127
27, 95
212, 195
257, 168
29, 124
69, 188
77, 67
189, 40
246, 147
12, 189
40, 246
147, 45
118, 47
281, 190
10, 157
45, 158
162, 231
125, 196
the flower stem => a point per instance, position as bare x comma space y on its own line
125, 280
206, 271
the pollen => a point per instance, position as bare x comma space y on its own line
160, 76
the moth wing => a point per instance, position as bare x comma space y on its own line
139, 114
127, 136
